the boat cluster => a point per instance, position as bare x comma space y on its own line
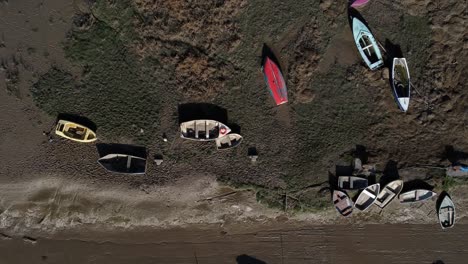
198, 130
367, 195
221, 134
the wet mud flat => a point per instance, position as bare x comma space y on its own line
315, 244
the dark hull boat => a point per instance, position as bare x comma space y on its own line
121, 163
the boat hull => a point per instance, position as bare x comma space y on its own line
342, 203
122, 163
367, 197
203, 130
366, 44
446, 212
229, 141
415, 196
388, 193
75, 132
401, 85
275, 81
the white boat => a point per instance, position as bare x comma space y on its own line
446, 212
203, 130
416, 196
122, 163
367, 197
352, 182
401, 84
389, 192
366, 44
342, 203
229, 141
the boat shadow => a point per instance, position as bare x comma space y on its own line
416, 184
246, 259
441, 197
453, 155
77, 119
114, 148
390, 173
352, 12
267, 52
195, 111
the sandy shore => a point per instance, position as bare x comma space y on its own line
259, 245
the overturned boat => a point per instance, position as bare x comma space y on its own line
366, 44
352, 182
446, 212
122, 163
275, 81
416, 196
73, 131
389, 192
367, 197
342, 203
401, 85
229, 141
203, 130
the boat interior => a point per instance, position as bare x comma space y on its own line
368, 48
449, 212
202, 129
75, 132
400, 81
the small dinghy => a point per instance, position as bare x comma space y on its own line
122, 163
401, 85
229, 141
203, 130
416, 196
74, 131
352, 182
275, 81
389, 192
366, 44
446, 212
367, 197
342, 203
359, 3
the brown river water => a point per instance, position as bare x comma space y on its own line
314, 244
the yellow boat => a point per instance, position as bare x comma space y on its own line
74, 131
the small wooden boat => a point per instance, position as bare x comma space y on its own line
229, 141
203, 130
367, 197
416, 196
342, 203
275, 81
74, 131
122, 163
401, 85
359, 3
352, 182
366, 44
389, 192
446, 212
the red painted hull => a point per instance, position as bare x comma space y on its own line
275, 81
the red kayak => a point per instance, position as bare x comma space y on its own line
275, 81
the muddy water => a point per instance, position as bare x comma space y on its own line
320, 244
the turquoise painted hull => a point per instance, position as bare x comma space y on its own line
367, 45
